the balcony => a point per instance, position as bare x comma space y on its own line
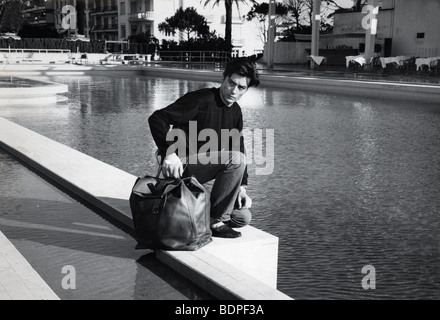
142, 16
39, 22
33, 10
104, 28
104, 10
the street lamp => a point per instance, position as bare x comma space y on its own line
316, 13
271, 34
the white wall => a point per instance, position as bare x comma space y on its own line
412, 17
401, 24
289, 52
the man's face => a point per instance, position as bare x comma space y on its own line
233, 88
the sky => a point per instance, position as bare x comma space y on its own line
345, 3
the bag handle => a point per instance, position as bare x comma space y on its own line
159, 185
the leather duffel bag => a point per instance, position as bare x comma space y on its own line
170, 214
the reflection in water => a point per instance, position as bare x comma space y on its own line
355, 180
365, 144
42, 221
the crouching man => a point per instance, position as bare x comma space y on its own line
211, 112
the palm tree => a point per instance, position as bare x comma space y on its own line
228, 8
188, 21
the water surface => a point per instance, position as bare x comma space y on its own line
355, 180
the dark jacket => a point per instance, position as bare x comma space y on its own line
206, 108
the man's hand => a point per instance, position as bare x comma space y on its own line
243, 200
172, 166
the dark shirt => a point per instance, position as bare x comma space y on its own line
207, 109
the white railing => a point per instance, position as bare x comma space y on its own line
15, 50
194, 56
147, 15
427, 52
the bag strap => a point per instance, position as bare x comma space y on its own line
163, 183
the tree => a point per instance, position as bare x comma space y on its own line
29, 31
188, 21
143, 42
260, 12
302, 12
209, 42
297, 9
228, 22
11, 19
143, 37
356, 7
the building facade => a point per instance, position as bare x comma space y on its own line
60, 18
416, 27
135, 16
404, 27
118, 19
35, 14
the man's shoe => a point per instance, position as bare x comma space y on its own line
225, 231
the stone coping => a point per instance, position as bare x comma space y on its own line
289, 80
356, 87
18, 280
21, 90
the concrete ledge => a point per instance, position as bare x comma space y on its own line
362, 88
244, 268
102, 185
357, 87
184, 74
218, 277
255, 251
18, 280
27, 90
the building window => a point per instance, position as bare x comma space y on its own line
123, 32
149, 29
133, 7
420, 35
133, 30
149, 5
122, 8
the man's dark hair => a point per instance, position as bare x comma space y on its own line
244, 68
